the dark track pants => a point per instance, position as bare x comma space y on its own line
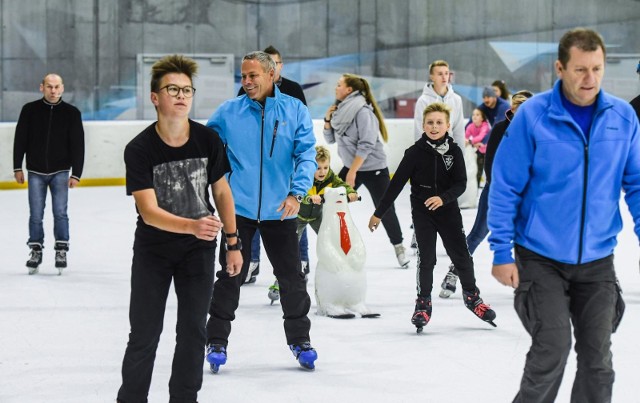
151, 276
447, 222
281, 244
551, 297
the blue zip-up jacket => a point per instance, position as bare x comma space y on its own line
271, 151
556, 193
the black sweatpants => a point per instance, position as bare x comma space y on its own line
447, 222
281, 244
376, 183
151, 276
550, 298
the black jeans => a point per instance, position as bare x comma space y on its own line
151, 276
551, 297
281, 244
446, 221
376, 183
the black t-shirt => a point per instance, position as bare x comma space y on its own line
181, 177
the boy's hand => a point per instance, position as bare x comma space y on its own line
433, 203
316, 199
353, 197
207, 228
373, 223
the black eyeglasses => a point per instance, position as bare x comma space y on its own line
174, 90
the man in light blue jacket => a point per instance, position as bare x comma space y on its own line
557, 180
270, 145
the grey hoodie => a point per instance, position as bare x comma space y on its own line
453, 100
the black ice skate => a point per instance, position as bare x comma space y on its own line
35, 258
476, 305
61, 255
422, 313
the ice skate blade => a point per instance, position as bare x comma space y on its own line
419, 329
491, 323
343, 316
308, 368
33, 270
370, 315
214, 368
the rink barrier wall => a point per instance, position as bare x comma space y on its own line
105, 142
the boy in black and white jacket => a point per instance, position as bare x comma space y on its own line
435, 166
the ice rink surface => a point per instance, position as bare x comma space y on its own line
62, 338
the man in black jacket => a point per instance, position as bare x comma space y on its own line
50, 133
635, 102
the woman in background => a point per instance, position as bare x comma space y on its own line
355, 123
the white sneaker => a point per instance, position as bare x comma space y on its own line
305, 269
402, 256
252, 274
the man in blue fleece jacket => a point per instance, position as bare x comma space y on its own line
557, 180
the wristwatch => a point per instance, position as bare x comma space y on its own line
299, 198
237, 246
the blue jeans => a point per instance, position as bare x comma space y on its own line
58, 183
304, 247
480, 228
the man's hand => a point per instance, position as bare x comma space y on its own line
234, 262
289, 207
373, 223
19, 175
73, 182
506, 274
207, 228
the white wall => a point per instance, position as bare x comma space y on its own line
105, 142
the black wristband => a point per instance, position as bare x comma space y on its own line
237, 246
327, 121
232, 235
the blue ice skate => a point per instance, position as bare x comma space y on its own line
216, 356
305, 354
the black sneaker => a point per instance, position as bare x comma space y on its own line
476, 305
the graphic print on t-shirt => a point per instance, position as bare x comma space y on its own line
180, 187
